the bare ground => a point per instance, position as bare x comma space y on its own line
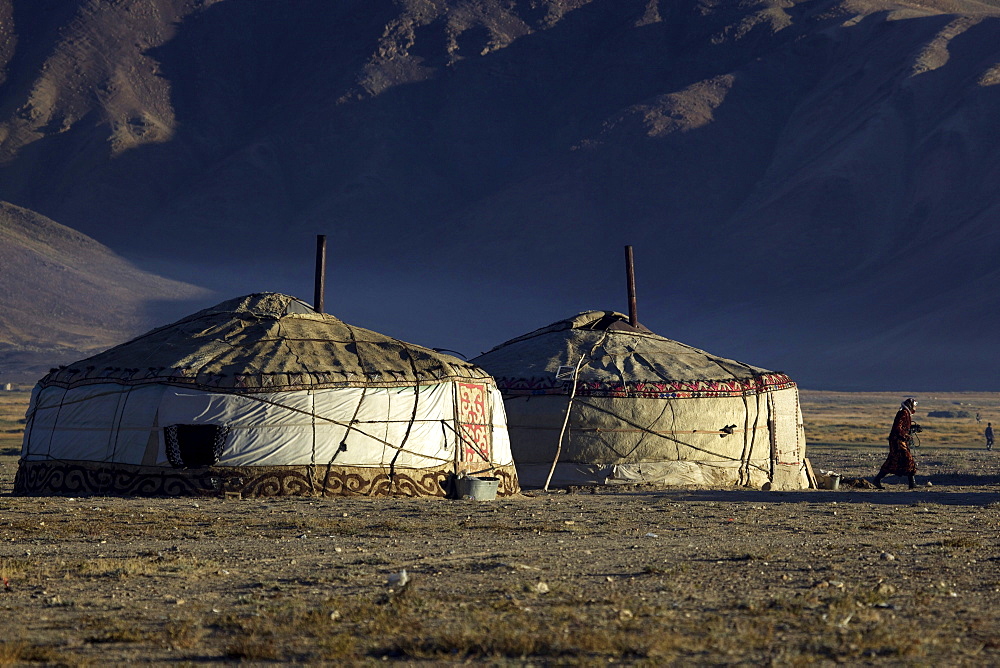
636, 576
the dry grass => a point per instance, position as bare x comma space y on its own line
864, 418
184, 633
12, 408
12, 652
642, 577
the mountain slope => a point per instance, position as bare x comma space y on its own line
65, 294
808, 185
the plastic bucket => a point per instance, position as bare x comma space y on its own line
478, 489
829, 481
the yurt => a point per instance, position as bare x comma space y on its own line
262, 396
595, 399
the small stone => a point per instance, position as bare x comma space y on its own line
886, 556
541, 588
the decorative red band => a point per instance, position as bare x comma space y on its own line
676, 389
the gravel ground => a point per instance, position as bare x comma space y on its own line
633, 575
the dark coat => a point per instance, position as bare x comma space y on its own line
900, 460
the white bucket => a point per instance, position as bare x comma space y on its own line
478, 489
828, 481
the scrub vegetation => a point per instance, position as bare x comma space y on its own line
12, 407
630, 575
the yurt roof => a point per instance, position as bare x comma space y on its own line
618, 358
265, 342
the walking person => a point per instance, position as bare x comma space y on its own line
989, 435
900, 460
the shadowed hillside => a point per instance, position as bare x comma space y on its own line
808, 185
65, 294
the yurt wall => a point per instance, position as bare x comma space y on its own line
668, 441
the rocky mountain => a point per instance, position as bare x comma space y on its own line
65, 295
808, 184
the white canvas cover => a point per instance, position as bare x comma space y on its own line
298, 395
110, 423
620, 403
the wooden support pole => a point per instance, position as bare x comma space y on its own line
320, 273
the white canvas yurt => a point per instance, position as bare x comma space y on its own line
262, 396
594, 399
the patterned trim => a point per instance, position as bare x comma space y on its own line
45, 478
247, 383
678, 389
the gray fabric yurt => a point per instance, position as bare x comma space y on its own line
610, 402
262, 396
